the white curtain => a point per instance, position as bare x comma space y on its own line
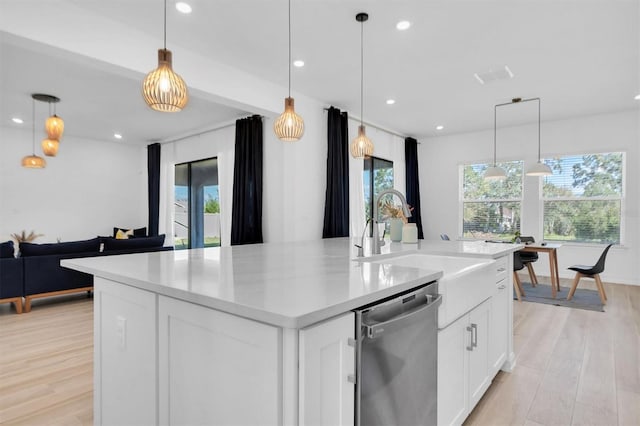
167, 193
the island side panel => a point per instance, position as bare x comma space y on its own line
216, 368
125, 379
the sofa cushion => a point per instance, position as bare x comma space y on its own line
139, 232
6, 249
133, 243
83, 246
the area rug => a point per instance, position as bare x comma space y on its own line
582, 299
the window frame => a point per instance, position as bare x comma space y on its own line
462, 200
622, 198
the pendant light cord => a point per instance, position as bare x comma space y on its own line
495, 130
33, 126
165, 25
289, 48
361, 73
538, 129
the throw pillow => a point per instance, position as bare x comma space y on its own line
123, 235
6, 249
139, 232
83, 246
111, 244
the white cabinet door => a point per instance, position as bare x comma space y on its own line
453, 372
498, 341
326, 362
479, 379
216, 368
124, 354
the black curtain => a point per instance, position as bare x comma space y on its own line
153, 172
413, 182
336, 205
246, 221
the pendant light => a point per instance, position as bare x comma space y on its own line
361, 146
163, 89
33, 161
54, 124
494, 172
289, 126
539, 169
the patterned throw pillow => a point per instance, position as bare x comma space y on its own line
124, 235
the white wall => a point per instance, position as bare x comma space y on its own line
439, 181
86, 190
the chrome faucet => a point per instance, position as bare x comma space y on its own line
376, 243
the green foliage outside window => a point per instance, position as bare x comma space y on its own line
491, 209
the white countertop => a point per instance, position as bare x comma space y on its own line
289, 285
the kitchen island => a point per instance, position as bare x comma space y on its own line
255, 334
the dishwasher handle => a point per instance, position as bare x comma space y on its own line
377, 330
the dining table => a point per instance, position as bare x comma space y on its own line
552, 251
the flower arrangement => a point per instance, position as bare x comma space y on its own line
24, 238
390, 210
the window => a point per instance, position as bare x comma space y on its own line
491, 209
378, 176
197, 204
583, 198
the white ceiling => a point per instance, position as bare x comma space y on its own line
580, 57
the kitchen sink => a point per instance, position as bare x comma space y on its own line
465, 283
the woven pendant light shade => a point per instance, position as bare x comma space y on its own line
54, 127
33, 162
289, 126
361, 146
50, 147
163, 89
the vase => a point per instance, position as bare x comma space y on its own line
395, 229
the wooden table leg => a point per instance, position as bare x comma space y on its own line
555, 262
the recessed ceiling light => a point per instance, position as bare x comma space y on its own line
637, 98
17, 120
117, 135
298, 63
439, 127
391, 101
403, 25
183, 7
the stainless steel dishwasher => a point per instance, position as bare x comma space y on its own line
396, 360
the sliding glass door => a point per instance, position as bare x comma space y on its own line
197, 204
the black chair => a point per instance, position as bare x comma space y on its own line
517, 265
444, 237
590, 272
528, 258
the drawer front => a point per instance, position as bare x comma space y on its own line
502, 266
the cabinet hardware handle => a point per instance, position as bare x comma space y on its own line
502, 269
470, 330
351, 378
474, 335
502, 286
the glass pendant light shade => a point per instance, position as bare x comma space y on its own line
33, 162
289, 126
163, 89
539, 169
54, 127
50, 147
495, 173
361, 146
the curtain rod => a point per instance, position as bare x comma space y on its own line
220, 126
382, 129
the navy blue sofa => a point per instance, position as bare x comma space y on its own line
11, 276
37, 272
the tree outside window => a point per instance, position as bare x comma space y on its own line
583, 198
491, 209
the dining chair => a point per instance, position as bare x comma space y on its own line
528, 258
590, 272
517, 265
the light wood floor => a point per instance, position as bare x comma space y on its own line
574, 367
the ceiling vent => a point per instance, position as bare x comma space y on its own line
500, 73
